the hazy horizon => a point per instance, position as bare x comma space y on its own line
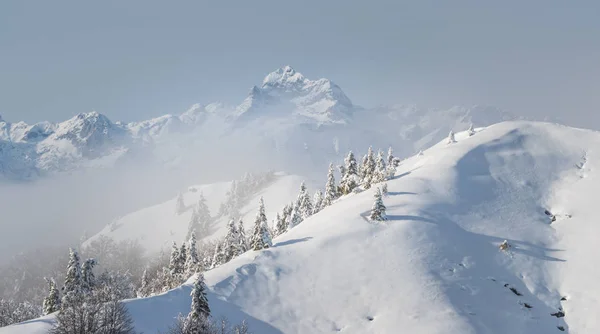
136, 60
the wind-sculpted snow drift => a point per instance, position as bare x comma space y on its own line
298, 123
435, 265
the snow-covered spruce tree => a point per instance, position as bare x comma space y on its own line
451, 139
331, 190
201, 219
231, 242
378, 210
295, 219
471, 130
174, 276
197, 321
192, 263
72, 287
305, 205
261, 238
362, 167
390, 156
242, 238
350, 176
280, 225
219, 255
183, 256
88, 280
369, 169
144, 289
52, 301
179, 204
317, 201
384, 189
380, 173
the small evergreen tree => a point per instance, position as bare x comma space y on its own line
378, 210
197, 319
52, 301
88, 280
72, 287
350, 176
219, 256
231, 247
280, 225
331, 191
183, 256
261, 238
304, 202
317, 201
369, 169
192, 263
390, 156
471, 130
380, 173
242, 238
384, 189
143, 291
296, 218
201, 219
179, 204
451, 139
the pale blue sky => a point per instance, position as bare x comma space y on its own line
135, 59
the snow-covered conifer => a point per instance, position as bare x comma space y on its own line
280, 225
143, 291
231, 247
369, 171
201, 219
384, 189
451, 139
219, 256
331, 191
183, 256
380, 173
197, 319
174, 260
378, 210
304, 202
242, 238
317, 201
179, 204
295, 218
88, 280
72, 284
390, 156
261, 238
52, 301
350, 176
471, 130
192, 263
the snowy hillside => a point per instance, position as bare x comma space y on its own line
158, 226
290, 117
435, 265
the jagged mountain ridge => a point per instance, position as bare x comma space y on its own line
287, 113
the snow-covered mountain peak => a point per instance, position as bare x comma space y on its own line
286, 78
318, 100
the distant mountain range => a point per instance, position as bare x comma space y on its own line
288, 115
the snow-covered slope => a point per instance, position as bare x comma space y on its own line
435, 265
156, 227
289, 116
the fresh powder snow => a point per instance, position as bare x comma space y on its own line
435, 265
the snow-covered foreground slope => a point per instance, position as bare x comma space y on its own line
435, 265
156, 227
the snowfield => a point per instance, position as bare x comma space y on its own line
156, 227
435, 265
